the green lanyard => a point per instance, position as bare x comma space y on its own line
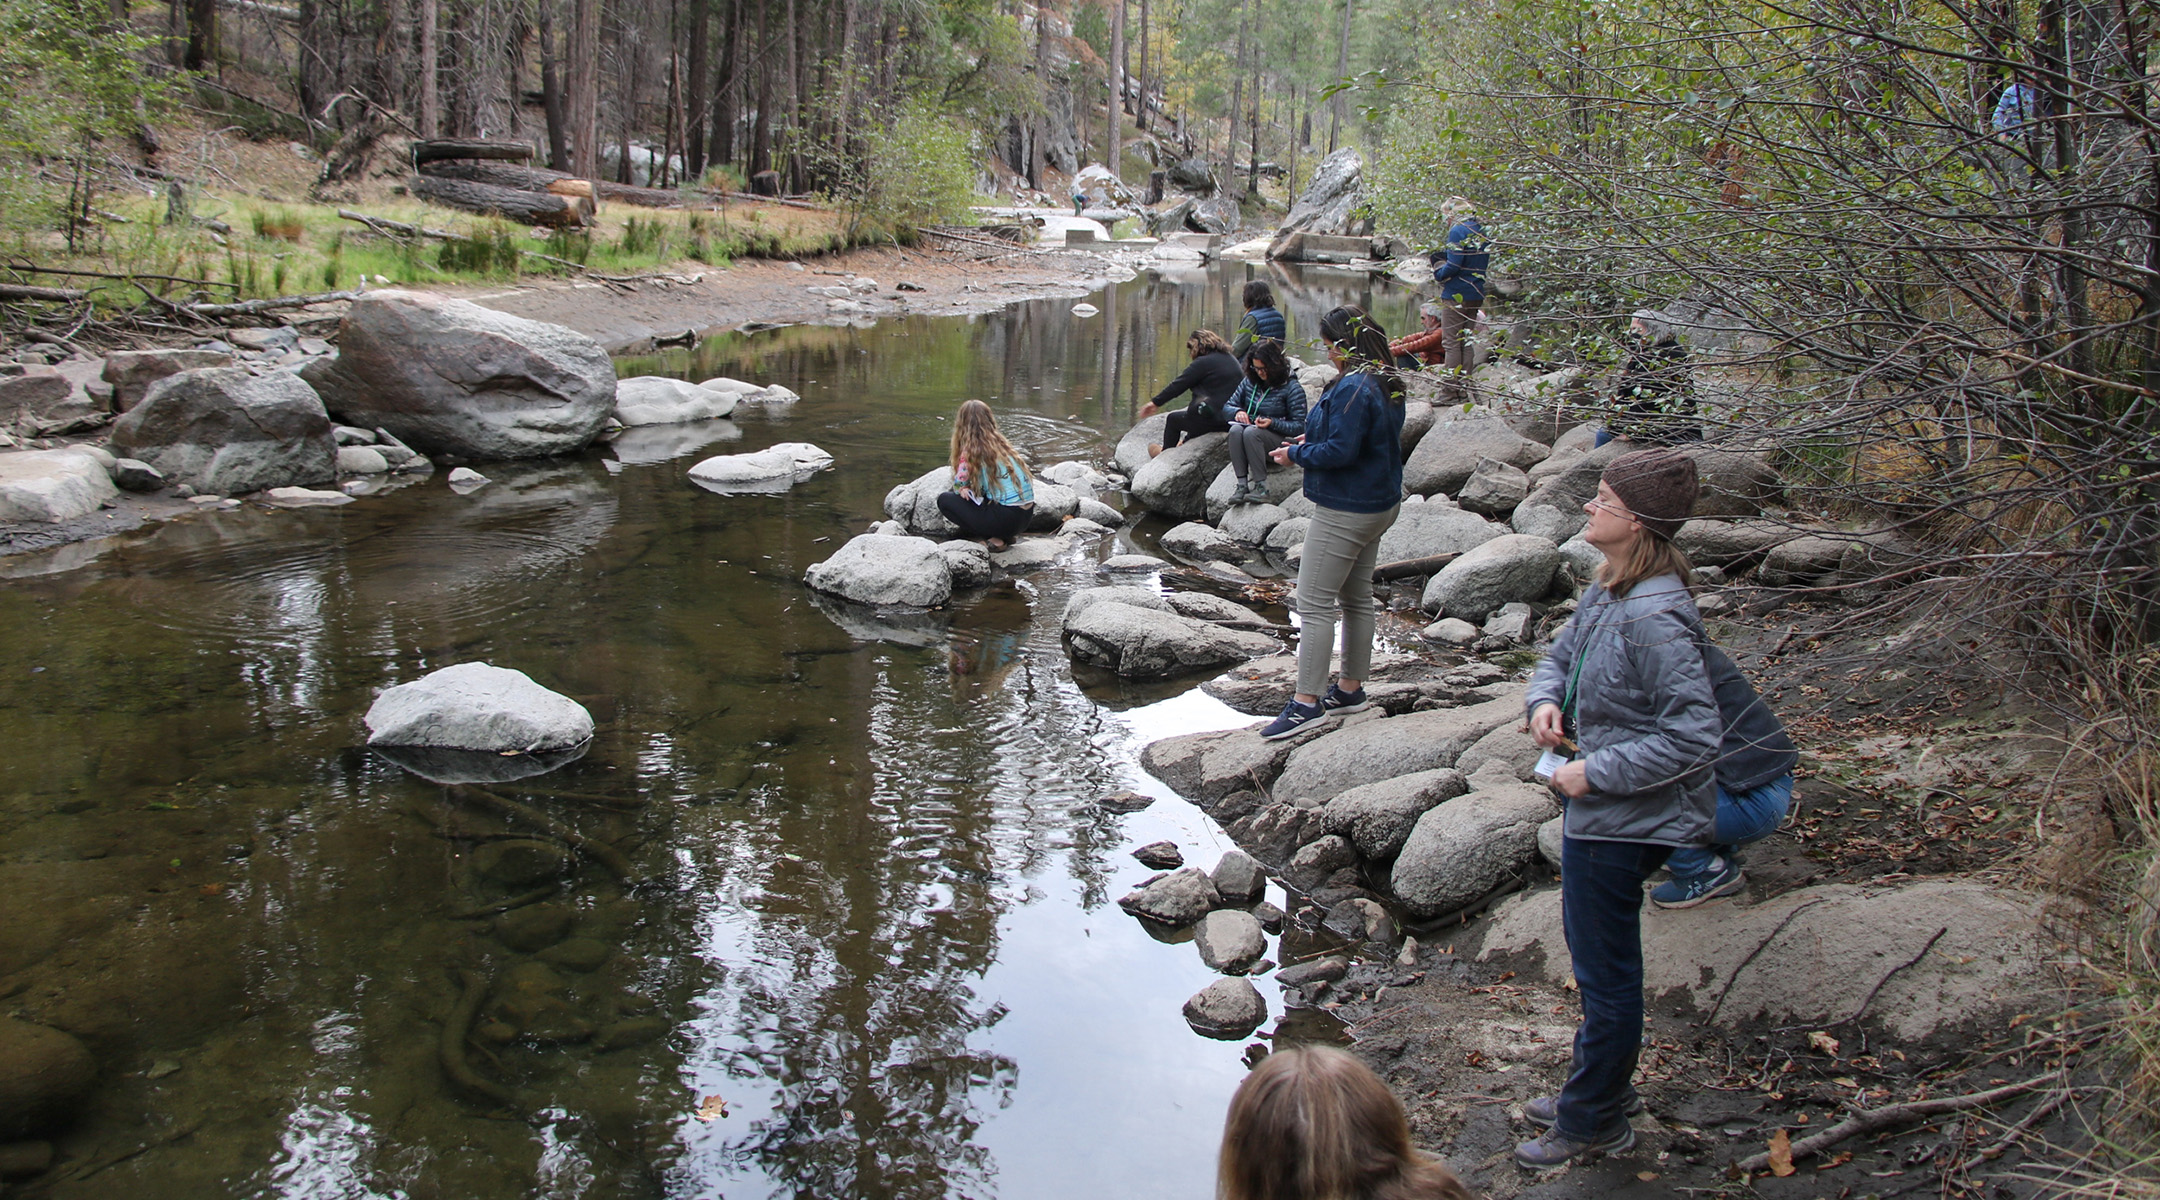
1567, 702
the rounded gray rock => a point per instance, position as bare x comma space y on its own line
1239, 878
476, 706
1516, 567
1226, 1009
1230, 941
903, 571
1464, 848
1177, 899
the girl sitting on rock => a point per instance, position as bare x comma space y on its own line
992, 497
1314, 1123
1266, 410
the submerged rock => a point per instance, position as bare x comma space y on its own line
45, 1075
657, 400
476, 706
773, 469
522, 863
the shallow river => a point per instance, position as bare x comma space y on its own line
878, 954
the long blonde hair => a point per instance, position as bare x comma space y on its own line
977, 442
1314, 1123
1646, 556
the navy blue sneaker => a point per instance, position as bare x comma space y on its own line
1340, 701
1724, 879
1294, 717
1550, 1151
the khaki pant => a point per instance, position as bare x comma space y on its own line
1335, 576
1457, 320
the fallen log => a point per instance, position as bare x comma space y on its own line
1411, 568
526, 208
541, 179
24, 291
271, 304
386, 226
436, 149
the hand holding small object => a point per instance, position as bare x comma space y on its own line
1264, 422
1545, 725
1243, 419
1573, 780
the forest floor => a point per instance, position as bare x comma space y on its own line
1918, 762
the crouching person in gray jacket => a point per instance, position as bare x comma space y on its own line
1624, 693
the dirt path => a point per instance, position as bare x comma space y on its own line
628, 318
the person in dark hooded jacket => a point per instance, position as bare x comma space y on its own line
1654, 398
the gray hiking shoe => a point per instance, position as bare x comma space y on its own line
1551, 1151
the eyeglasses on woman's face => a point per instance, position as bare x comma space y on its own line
1600, 503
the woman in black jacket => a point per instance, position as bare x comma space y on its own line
1265, 411
1212, 375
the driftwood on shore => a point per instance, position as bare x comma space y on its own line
526, 208
24, 291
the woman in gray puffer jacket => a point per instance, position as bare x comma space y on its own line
1624, 692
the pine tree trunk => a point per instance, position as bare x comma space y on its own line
430, 73
1147, 78
202, 35
1117, 88
1342, 68
700, 99
724, 106
761, 130
585, 88
551, 96
397, 43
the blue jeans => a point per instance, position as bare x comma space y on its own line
1742, 817
1601, 893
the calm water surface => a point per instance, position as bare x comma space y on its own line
877, 954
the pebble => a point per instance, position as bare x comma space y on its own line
534, 927
1124, 802
579, 954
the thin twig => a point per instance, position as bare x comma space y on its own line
1873, 991
1872, 1119
1734, 978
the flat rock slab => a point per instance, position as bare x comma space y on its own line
1377, 750
1810, 957
773, 469
657, 400
1144, 642
52, 485
1260, 687
476, 706
1205, 767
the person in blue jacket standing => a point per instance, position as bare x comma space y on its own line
1352, 457
1262, 320
1459, 267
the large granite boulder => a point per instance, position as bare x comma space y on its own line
449, 377
52, 485
1132, 449
1146, 642
1468, 846
1446, 457
1511, 568
914, 504
1330, 198
1435, 527
222, 430
1711, 542
476, 706
773, 469
1554, 508
131, 372
1282, 483
908, 572
658, 400
1736, 482
1494, 488
1194, 541
1175, 482
1377, 817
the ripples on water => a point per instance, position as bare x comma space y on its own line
879, 924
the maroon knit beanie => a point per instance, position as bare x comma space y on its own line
1658, 487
